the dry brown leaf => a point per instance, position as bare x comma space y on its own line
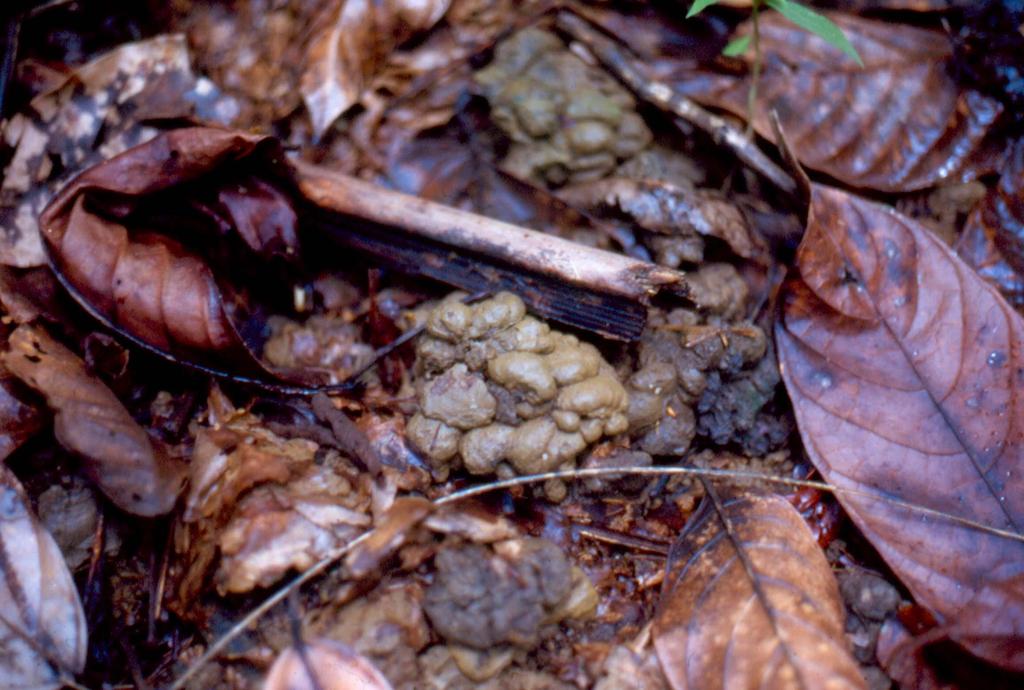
352, 46
394, 528
670, 210
260, 505
96, 113
714, 629
898, 124
324, 665
904, 368
90, 421
42, 625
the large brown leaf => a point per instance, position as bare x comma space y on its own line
89, 420
352, 46
900, 123
42, 625
905, 371
778, 626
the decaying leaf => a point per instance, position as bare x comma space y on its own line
19, 421
42, 625
324, 665
352, 46
259, 505
904, 368
90, 421
149, 285
95, 113
780, 625
454, 165
670, 211
1002, 212
900, 123
977, 247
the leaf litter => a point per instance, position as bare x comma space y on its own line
405, 568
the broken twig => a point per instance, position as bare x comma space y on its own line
575, 284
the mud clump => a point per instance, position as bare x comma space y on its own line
500, 391
705, 374
482, 599
568, 121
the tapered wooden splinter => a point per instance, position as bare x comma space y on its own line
581, 286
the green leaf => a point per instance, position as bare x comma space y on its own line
736, 46
699, 6
817, 24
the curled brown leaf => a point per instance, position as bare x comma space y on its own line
42, 625
778, 625
148, 285
905, 369
899, 123
90, 421
352, 46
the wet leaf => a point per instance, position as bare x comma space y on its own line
42, 625
324, 665
90, 421
898, 124
352, 46
95, 113
904, 368
977, 247
1002, 212
713, 629
149, 285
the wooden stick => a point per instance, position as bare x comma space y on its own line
666, 98
578, 285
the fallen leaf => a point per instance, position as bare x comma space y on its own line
352, 46
19, 421
95, 113
898, 124
42, 625
780, 625
149, 286
1001, 213
903, 366
670, 211
90, 421
393, 529
977, 247
259, 505
323, 665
